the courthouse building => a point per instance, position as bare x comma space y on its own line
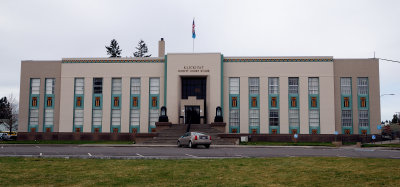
263, 95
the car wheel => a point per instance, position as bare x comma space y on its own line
190, 144
179, 144
207, 146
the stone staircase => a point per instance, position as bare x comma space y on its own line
170, 136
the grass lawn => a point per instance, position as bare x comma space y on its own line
315, 171
64, 142
381, 145
288, 143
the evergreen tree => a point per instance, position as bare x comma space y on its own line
113, 50
9, 113
395, 119
141, 50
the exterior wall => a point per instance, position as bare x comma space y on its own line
355, 68
107, 71
176, 67
212, 66
283, 70
42, 70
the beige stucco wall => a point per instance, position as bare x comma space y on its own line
355, 68
283, 70
42, 70
178, 61
107, 71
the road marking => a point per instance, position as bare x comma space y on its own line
40, 154
37, 146
190, 155
89, 154
139, 155
2, 147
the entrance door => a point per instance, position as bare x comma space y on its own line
192, 113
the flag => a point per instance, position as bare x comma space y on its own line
193, 31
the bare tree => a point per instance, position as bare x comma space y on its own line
9, 112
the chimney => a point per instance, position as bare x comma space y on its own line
161, 48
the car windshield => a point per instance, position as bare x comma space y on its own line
197, 133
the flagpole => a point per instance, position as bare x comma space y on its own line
193, 45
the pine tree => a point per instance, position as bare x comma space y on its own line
141, 50
395, 119
113, 50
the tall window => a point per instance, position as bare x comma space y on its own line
135, 105
294, 118
346, 114
273, 95
49, 105
363, 112
97, 112
254, 112
79, 91
313, 114
116, 91
154, 100
234, 111
254, 86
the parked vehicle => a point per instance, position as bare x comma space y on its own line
193, 139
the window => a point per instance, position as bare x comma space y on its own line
153, 117
33, 117
48, 117
294, 118
34, 101
154, 85
273, 85
49, 101
116, 117
234, 85
314, 102
293, 102
96, 117
253, 101
234, 101
273, 102
135, 86
293, 85
345, 86
79, 86
274, 118
35, 86
97, 85
135, 117
314, 118
254, 86
363, 102
50, 86
116, 87
97, 102
254, 117
362, 86
313, 85
234, 118
346, 102
363, 118
78, 117
346, 118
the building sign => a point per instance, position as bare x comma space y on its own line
193, 69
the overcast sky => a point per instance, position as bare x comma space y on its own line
51, 30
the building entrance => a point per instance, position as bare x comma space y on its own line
192, 114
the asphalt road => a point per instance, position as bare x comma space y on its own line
133, 152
